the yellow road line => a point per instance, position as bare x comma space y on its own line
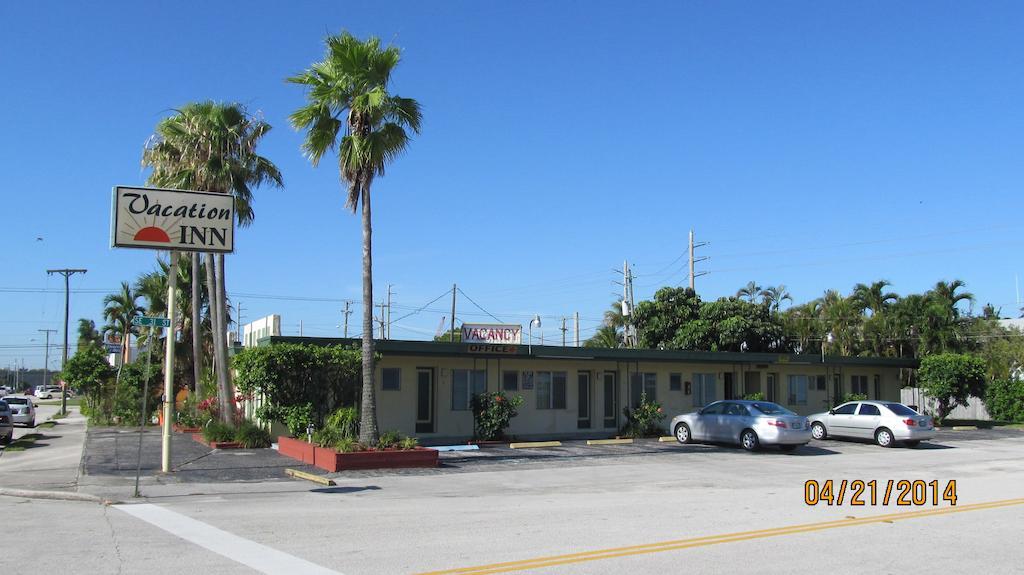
596, 555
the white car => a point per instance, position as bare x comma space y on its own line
47, 392
23, 411
887, 422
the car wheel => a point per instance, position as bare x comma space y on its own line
749, 441
788, 448
683, 433
913, 443
883, 437
31, 423
818, 431
7, 439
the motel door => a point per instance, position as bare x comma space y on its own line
583, 395
611, 400
425, 400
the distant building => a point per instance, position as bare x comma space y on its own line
1016, 323
264, 327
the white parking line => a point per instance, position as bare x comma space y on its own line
249, 553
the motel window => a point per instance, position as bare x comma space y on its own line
675, 382
510, 380
798, 389
467, 383
641, 384
703, 389
391, 378
859, 384
550, 387
819, 382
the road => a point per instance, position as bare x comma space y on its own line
644, 514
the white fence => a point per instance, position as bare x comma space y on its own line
975, 407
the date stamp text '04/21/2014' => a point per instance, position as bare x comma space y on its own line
857, 492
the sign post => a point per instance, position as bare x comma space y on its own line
176, 221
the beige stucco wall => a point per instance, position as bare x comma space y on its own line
397, 408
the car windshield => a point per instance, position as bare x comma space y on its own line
900, 409
771, 408
17, 400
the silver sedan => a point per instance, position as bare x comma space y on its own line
887, 422
748, 423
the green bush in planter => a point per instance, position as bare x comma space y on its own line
347, 445
389, 439
219, 431
757, 396
252, 436
854, 397
492, 413
645, 420
408, 443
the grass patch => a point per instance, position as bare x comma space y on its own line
56, 416
23, 442
47, 425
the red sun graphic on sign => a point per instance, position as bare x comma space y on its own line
152, 234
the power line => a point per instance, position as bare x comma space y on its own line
478, 306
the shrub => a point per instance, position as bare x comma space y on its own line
189, 415
951, 378
1004, 399
408, 443
854, 397
252, 436
344, 420
327, 436
389, 439
645, 420
219, 431
347, 445
492, 413
757, 396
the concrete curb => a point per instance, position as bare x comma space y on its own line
56, 496
609, 441
533, 444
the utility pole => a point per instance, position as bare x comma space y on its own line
451, 334
563, 329
238, 323
168, 407
387, 316
347, 312
629, 332
576, 327
67, 273
300, 328
693, 261
46, 354
380, 320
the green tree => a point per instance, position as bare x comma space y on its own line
119, 309
447, 336
659, 321
774, 296
88, 372
951, 378
749, 291
350, 109
606, 336
210, 146
88, 335
874, 297
1004, 399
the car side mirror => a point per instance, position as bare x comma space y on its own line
831, 412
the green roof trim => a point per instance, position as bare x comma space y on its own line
431, 348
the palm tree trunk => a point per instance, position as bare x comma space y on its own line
215, 317
225, 375
197, 348
368, 434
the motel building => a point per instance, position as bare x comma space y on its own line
424, 388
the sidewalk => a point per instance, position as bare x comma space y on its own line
52, 462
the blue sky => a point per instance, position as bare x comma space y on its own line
813, 144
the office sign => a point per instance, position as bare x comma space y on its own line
497, 333
176, 220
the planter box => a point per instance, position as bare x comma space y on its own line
181, 429
198, 437
330, 460
296, 449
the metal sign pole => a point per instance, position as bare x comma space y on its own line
145, 404
172, 297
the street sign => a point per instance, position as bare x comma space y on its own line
113, 347
175, 220
142, 321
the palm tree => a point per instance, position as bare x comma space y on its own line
119, 309
749, 291
88, 335
774, 296
349, 108
606, 336
874, 297
945, 292
209, 146
613, 317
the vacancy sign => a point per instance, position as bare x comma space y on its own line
492, 333
172, 220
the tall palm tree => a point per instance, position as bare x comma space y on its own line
613, 317
946, 293
119, 309
874, 297
88, 335
749, 291
774, 296
605, 336
210, 146
349, 108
